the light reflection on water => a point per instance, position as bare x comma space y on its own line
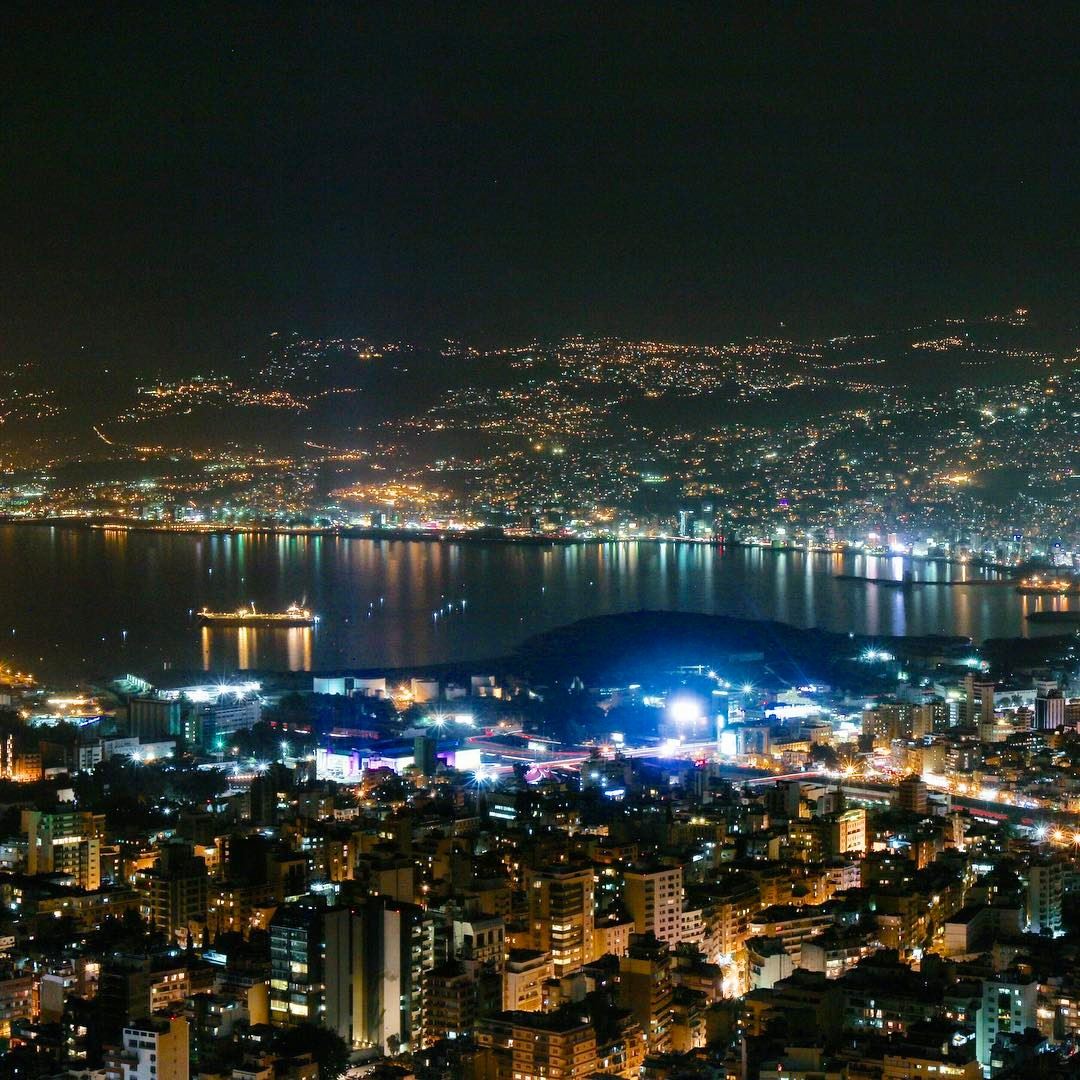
68, 594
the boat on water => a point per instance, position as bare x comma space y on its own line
1065, 617
1043, 586
293, 615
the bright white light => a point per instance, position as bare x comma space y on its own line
747, 688
482, 776
684, 710
870, 655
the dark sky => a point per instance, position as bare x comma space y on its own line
177, 180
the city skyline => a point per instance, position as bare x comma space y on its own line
955, 436
539, 542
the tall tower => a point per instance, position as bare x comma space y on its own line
1045, 889
654, 897
178, 891
65, 842
562, 915
357, 971
980, 706
645, 989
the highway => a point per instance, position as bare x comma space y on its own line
682, 751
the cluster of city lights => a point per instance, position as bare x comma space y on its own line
871, 656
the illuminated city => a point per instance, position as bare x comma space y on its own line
589, 440
540, 543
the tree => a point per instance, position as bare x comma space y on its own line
330, 1051
824, 755
26, 1063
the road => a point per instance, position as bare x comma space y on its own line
682, 752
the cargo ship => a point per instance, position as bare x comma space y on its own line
1065, 617
293, 615
1040, 586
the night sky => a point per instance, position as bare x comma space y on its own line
179, 180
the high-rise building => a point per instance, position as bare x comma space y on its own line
65, 842
534, 1046
424, 748
912, 795
209, 718
840, 832
152, 1049
524, 976
357, 971
481, 939
152, 718
1049, 709
389, 943
892, 720
785, 799
1008, 1006
979, 707
450, 1001
297, 951
131, 986
562, 914
847, 832
653, 895
728, 909
769, 962
17, 1000
1045, 889
1072, 714
178, 892
806, 839
645, 988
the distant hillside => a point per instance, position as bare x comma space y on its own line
287, 390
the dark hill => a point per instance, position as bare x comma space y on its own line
626, 646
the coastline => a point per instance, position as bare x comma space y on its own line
141, 605
497, 534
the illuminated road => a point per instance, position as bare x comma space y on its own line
1056, 826
683, 751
